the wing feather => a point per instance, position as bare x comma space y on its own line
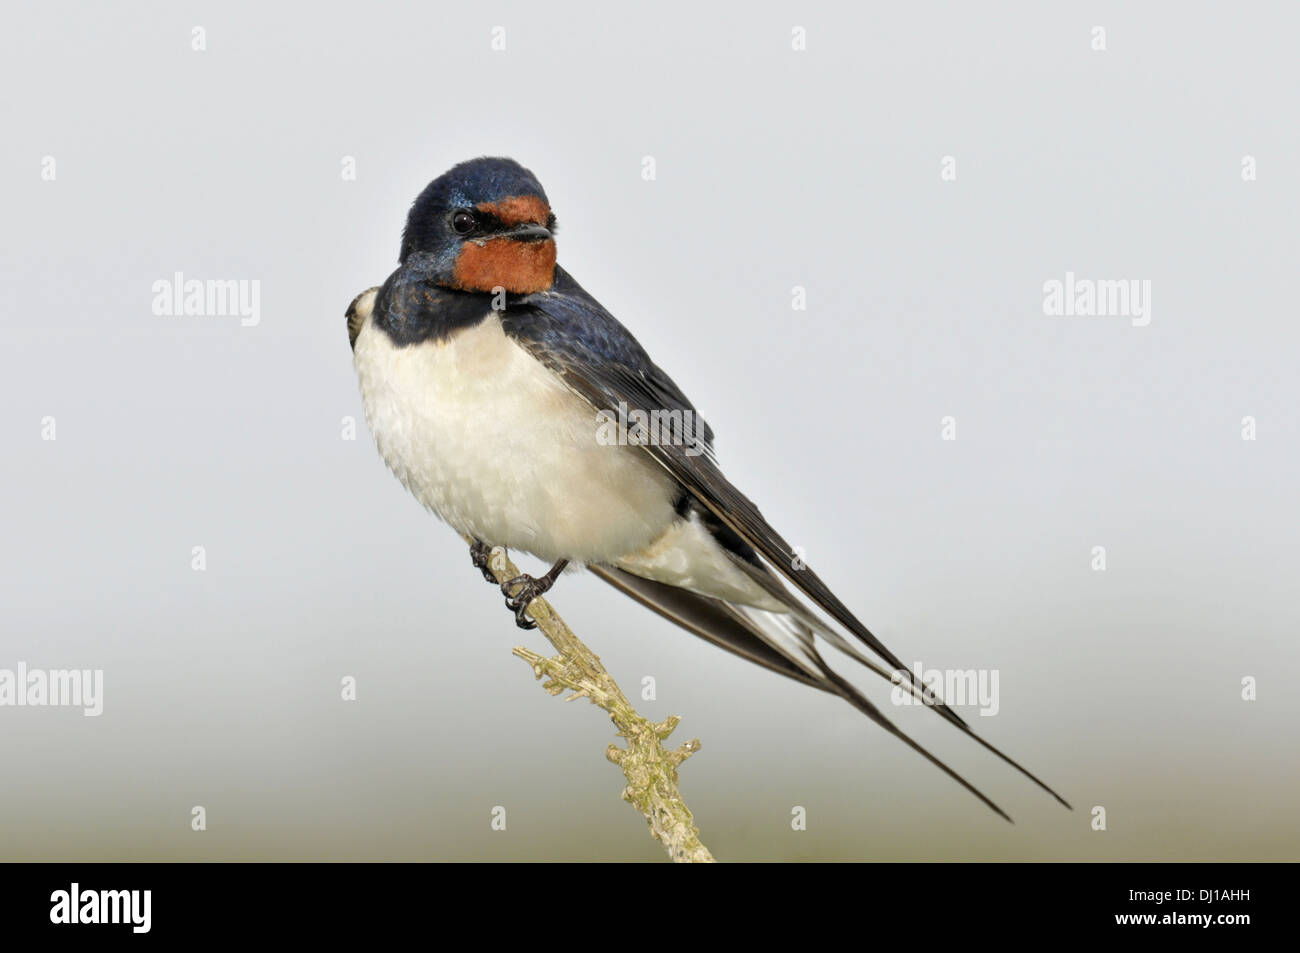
569, 332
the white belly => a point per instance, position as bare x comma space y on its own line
495, 444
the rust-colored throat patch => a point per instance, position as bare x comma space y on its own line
520, 267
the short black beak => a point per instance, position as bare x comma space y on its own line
528, 232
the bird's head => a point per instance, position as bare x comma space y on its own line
482, 225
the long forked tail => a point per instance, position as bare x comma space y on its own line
784, 644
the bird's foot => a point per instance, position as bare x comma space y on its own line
530, 587
480, 553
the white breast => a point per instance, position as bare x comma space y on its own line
495, 444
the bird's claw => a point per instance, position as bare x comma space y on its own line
481, 555
530, 588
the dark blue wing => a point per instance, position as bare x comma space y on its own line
569, 332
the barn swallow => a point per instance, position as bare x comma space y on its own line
487, 374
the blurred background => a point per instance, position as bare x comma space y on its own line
287, 149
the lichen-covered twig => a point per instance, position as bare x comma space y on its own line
650, 768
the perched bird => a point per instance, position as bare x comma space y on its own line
489, 377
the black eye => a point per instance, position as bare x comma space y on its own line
463, 222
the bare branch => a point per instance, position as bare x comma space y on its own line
650, 768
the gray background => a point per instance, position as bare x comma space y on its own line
775, 168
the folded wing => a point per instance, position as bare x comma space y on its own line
569, 332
